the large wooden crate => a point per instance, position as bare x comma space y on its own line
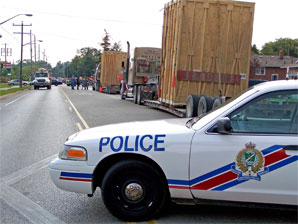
206, 48
111, 67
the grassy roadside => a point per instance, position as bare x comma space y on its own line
4, 85
13, 90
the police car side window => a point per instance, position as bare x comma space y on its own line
272, 113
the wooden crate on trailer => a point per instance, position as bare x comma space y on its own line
206, 48
111, 67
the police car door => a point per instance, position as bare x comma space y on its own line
257, 160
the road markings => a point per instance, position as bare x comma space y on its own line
70, 109
26, 171
75, 109
32, 211
15, 199
15, 100
79, 126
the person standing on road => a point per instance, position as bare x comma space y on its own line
78, 83
85, 84
72, 82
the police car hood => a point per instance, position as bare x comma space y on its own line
167, 126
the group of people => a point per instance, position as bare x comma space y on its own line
76, 81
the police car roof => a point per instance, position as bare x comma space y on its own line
277, 85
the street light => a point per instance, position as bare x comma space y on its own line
16, 16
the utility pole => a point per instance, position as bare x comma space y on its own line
35, 47
21, 64
31, 55
5, 53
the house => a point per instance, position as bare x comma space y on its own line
272, 67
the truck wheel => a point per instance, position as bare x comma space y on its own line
134, 191
139, 96
192, 105
135, 94
205, 104
217, 102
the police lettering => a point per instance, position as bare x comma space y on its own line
144, 143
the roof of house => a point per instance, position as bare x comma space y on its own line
273, 61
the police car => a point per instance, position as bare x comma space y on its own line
244, 151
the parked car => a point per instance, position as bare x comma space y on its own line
16, 82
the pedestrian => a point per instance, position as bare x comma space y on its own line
72, 82
85, 84
78, 83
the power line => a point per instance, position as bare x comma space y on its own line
90, 18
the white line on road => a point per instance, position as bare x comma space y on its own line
79, 126
26, 171
29, 209
75, 109
32, 211
16, 100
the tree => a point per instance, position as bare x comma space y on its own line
289, 46
255, 49
116, 46
105, 44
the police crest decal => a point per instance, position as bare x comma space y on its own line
249, 163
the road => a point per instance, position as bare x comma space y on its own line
34, 126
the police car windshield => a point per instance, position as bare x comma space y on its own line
38, 75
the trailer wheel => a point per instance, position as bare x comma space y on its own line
139, 95
135, 94
217, 102
205, 104
192, 105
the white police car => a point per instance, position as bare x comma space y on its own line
244, 151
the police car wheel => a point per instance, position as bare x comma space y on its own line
133, 191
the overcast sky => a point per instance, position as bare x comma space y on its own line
65, 26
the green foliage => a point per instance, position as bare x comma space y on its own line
28, 69
289, 46
255, 49
105, 44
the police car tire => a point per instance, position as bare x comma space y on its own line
126, 172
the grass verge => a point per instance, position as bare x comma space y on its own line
13, 90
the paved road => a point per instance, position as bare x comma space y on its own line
34, 125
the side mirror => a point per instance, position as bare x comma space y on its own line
224, 126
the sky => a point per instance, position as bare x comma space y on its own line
65, 26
